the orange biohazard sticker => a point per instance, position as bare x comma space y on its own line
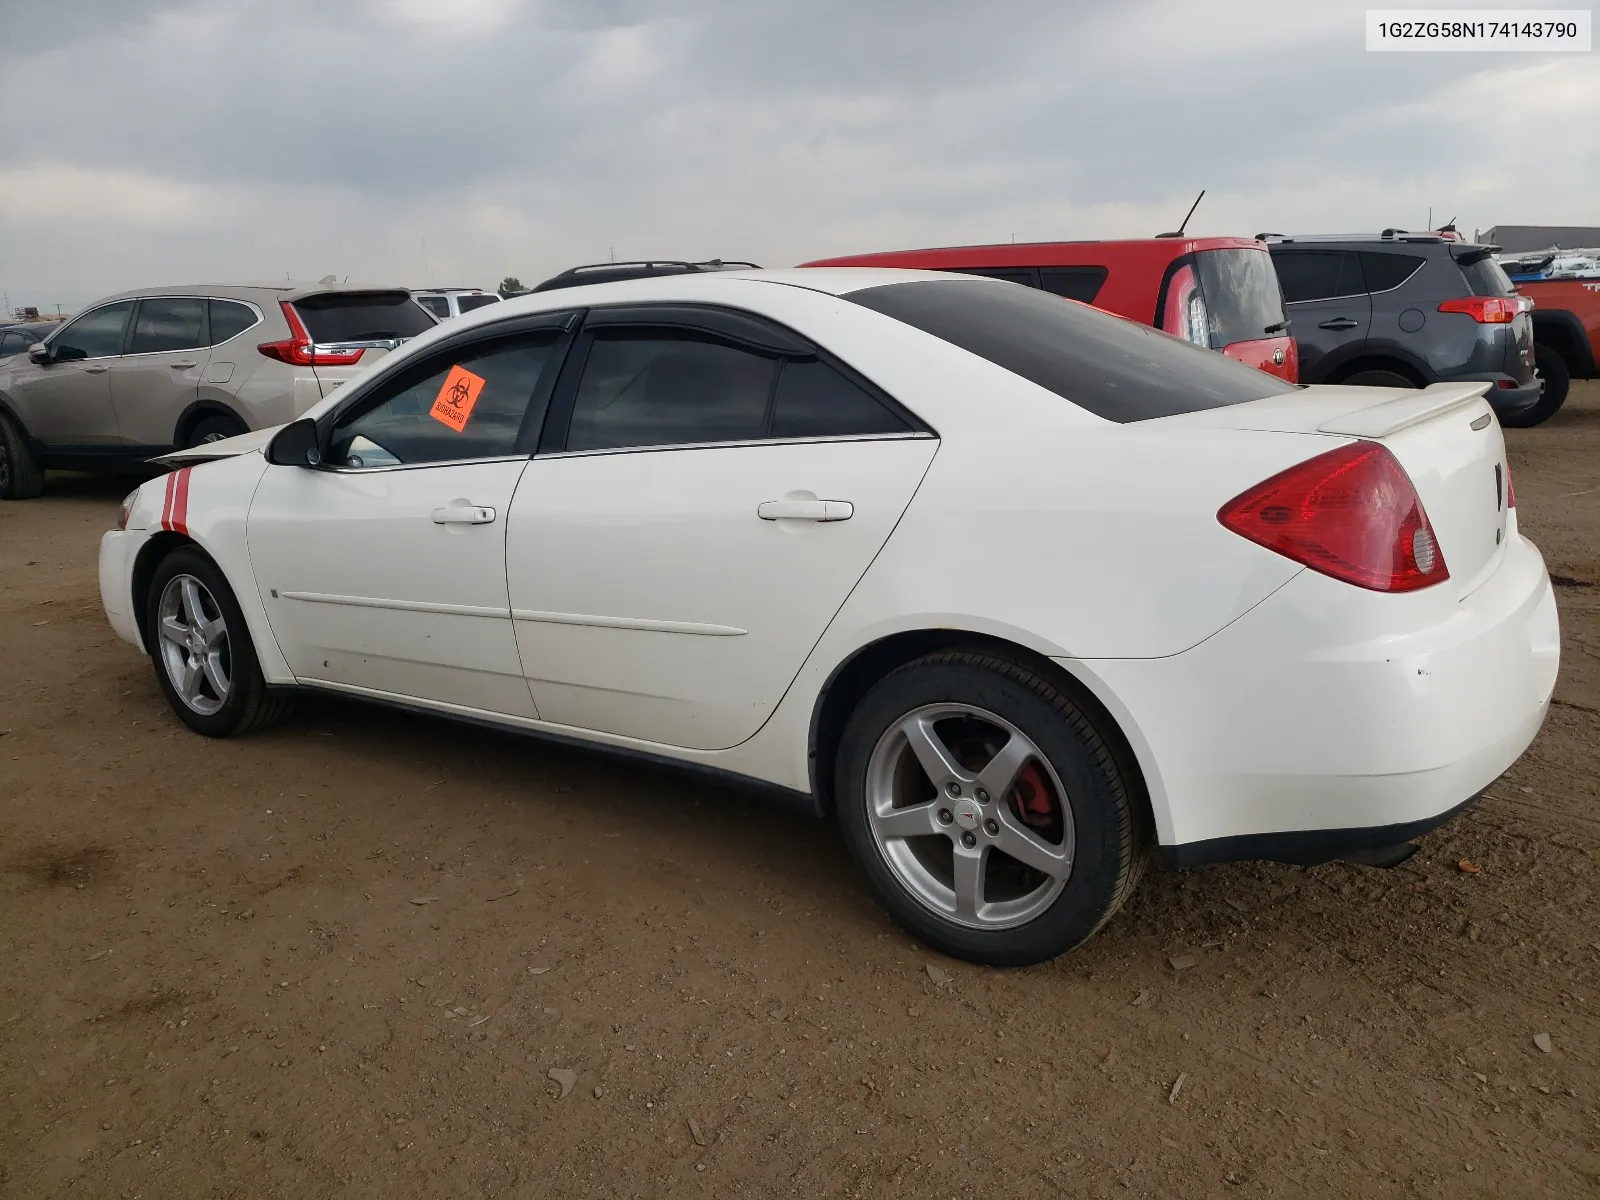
457, 397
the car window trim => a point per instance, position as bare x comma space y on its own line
681, 316
741, 444
443, 462
127, 325
133, 325
563, 323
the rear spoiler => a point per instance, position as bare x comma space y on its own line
1391, 416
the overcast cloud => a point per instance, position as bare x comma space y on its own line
457, 141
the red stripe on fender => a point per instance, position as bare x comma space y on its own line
180, 502
166, 504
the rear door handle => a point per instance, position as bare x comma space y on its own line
805, 510
1339, 323
95, 370
182, 366
462, 514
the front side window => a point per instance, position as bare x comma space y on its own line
96, 334
660, 388
168, 323
229, 319
467, 404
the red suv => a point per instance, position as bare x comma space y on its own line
1214, 291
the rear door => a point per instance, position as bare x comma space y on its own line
159, 375
352, 329
707, 503
1330, 313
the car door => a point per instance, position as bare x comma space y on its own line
67, 400
159, 375
383, 569
704, 501
1330, 313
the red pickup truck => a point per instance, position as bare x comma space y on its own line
1566, 332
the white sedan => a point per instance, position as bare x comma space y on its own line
1019, 591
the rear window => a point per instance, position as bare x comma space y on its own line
1242, 296
467, 303
1485, 276
1116, 369
359, 316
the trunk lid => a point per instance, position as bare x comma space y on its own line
1445, 436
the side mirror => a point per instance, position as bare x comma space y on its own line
39, 353
297, 444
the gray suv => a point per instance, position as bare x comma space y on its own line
143, 373
1401, 309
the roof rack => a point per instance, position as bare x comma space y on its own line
1387, 235
638, 269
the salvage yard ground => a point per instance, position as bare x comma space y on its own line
368, 954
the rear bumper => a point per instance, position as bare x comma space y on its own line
1277, 739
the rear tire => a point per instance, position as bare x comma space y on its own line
214, 429
1379, 378
938, 852
1557, 379
200, 646
21, 476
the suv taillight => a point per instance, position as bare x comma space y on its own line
1185, 314
1351, 513
298, 350
1486, 310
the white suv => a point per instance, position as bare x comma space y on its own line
445, 303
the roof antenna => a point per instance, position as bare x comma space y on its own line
1186, 216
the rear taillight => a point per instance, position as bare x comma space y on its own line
1485, 310
1185, 313
298, 350
1351, 513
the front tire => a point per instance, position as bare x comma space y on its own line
204, 659
986, 808
21, 476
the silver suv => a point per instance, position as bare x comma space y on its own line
143, 373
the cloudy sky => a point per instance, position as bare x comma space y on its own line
456, 141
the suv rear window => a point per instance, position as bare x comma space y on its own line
358, 316
1114, 368
1242, 296
1485, 276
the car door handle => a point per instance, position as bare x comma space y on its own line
462, 514
182, 366
100, 370
1339, 323
805, 510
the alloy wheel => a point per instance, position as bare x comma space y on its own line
970, 816
194, 644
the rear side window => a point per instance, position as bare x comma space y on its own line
1073, 283
1385, 272
1026, 276
437, 305
1114, 368
1485, 276
1242, 295
1317, 274
658, 388
814, 400
467, 303
229, 319
361, 316
168, 323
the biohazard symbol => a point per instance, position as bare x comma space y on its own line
457, 397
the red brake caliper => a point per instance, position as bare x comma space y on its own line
1031, 798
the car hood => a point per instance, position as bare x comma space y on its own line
245, 443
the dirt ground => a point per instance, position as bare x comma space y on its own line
354, 956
